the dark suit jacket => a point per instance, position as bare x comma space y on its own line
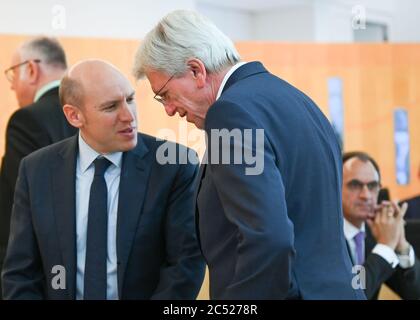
278, 234
157, 252
405, 282
29, 129
413, 210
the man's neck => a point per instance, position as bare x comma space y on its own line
355, 222
215, 83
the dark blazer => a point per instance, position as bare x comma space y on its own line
413, 209
157, 252
29, 129
278, 234
405, 282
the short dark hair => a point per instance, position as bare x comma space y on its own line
71, 92
362, 156
50, 50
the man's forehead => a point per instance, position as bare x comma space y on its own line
156, 79
105, 91
355, 168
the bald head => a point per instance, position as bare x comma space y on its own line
99, 100
83, 78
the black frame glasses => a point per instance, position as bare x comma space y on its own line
157, 97
9, 71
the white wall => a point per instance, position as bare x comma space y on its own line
332, 22
89, 18
237, 24
294, 23
406, 26
277, 20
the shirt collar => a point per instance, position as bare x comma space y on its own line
87, 155
47, 87
227, 76
350, 230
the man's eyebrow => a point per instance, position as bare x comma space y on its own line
108, 102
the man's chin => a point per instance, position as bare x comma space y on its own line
197, 122
129, 145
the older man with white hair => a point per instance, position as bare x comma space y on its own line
272, 228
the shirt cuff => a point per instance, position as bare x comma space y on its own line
407, 260
387, 254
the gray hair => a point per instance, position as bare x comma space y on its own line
48, 50
180, 36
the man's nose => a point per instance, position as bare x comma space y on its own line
170, 109
126, 114
365, 193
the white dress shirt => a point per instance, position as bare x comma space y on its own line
405, 261
47, 87
227, 76
84, 176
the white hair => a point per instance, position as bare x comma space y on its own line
182, 35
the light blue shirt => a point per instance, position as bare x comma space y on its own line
84, 176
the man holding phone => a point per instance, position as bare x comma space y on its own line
380, 247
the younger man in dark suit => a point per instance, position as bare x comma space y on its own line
100, 208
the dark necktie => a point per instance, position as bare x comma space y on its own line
97, 235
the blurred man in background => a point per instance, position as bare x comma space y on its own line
36, 69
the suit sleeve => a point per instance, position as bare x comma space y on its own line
253, 197
23, 136
22, 274
183, 274
406, 282
378, 270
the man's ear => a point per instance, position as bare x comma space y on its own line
73, 115
34, 72
198, 70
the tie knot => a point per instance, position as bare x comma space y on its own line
101, 164
359, 237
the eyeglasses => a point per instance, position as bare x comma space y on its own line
157, 97
10, 74
357, 186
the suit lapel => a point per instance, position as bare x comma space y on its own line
350, 254
135, 172
200, 177
64, 202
